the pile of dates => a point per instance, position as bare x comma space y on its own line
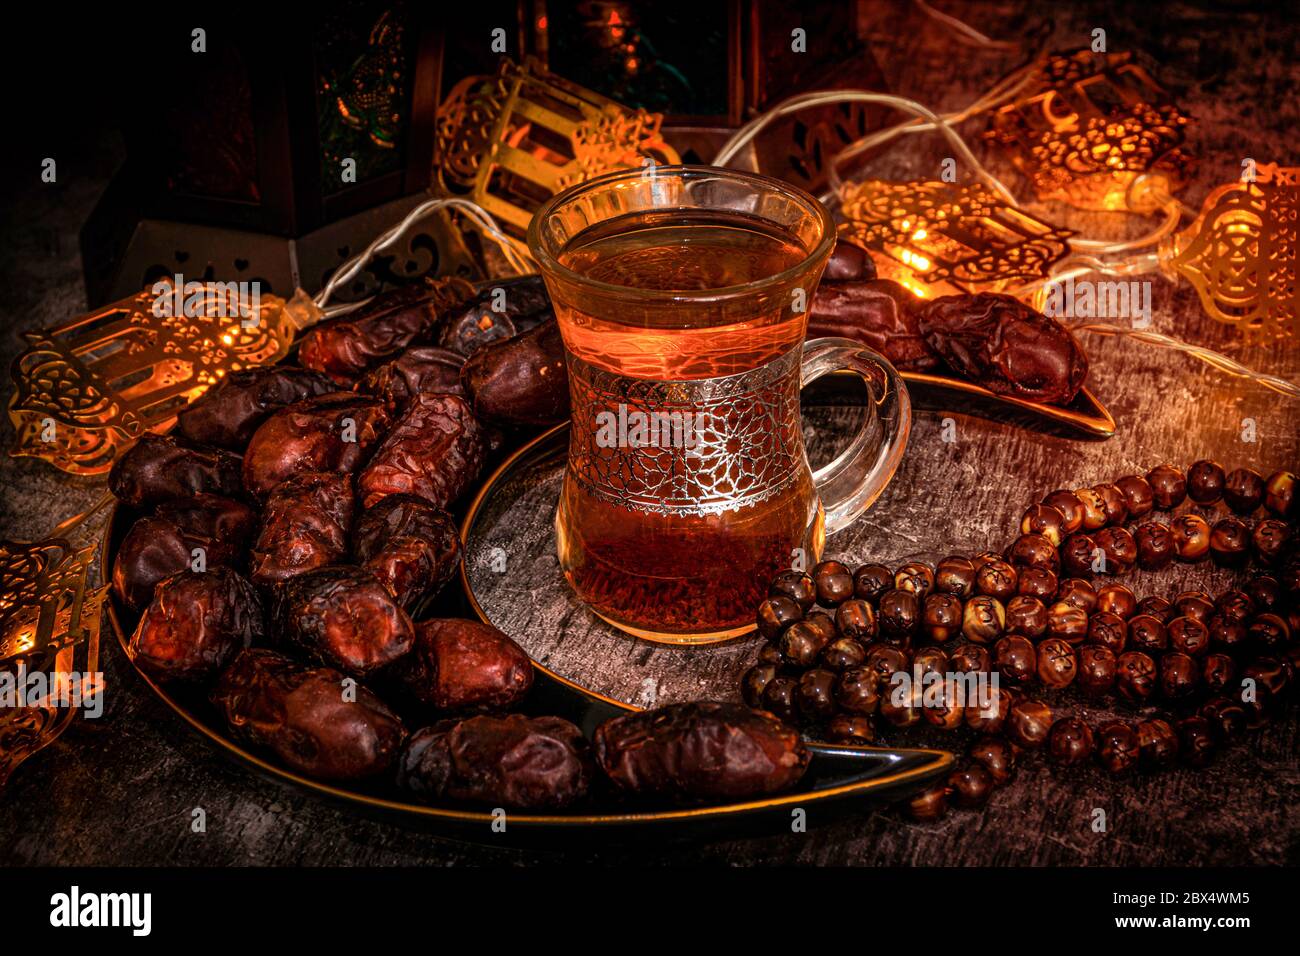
992, 340
294, 528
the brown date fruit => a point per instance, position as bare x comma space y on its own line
843, 654
1205, 481
1139, 499
305, 526
1070, 507
435, 451
1188, 636
1027, 617
833, 582
970, 786
1191, 537
1135, 675
899, 615
196, 624
1028, 723
1157, 743
856, 619
816, 696
499, 309
915, 577
460, 665
1243, 490
996, 579
1070, 742
303, 715
779, 697
1280, 494
1097, 669
700, 751
1117, 599
1179, 675
941, 617
858, 690
955, 575
798, 587
1030, 551
1217, 671
1037, 583
343, 617
158, 468
1014, 658
998, 342
879, 313
1168, 485
1109, 630
526, 763
1118, 548
850, 729
414, 372
776, 614
172, 538
332, 432
520, 381
346, 346
983, 619
848, 262
1046, 521
1196, 743
227, 414
1117, 747
1057, 663
1155, 545
1094, 508
996, 756
1269, 539
412, 547
1147, 633
1230, 543
1077, 554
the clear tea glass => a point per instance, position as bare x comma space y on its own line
682, 296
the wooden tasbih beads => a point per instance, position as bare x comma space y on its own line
838, 638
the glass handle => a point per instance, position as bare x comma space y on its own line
848, 485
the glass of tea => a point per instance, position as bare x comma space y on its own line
682, 295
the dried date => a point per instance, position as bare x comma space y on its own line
511, 761
227, 415
412, 547
305, 526
700, 751
435, 451
879, 313
501, 309
521, 380
314, 720
199, 532
333, 432
159, 467
1002, 344
343, 617
461, 665
196, 623
422, 369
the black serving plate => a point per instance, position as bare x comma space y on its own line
839, 780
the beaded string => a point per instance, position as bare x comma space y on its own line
1015, 617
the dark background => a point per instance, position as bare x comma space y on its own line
121, 789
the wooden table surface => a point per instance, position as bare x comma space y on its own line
121, 789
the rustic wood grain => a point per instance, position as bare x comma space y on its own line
121, 789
